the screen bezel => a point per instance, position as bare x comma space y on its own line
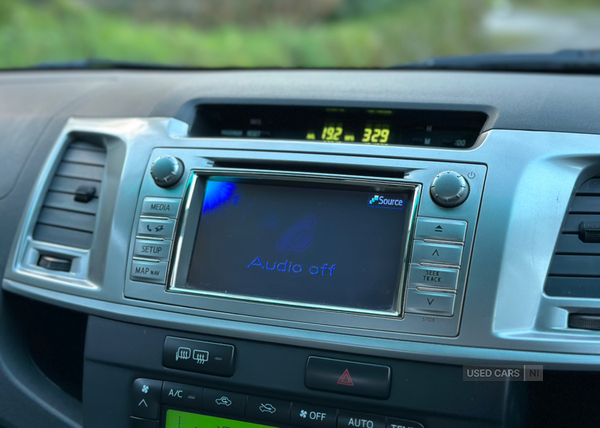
192, 209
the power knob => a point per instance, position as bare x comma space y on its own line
167, 171
449, 189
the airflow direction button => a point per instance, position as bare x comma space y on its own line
268, 409
228, 403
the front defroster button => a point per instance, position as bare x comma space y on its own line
307, 415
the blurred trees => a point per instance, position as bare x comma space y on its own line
212, 13
247, 13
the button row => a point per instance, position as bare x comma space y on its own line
148, 395
435, 266
154, 239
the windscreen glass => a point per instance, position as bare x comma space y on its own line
287, 33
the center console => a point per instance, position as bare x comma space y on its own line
348, 249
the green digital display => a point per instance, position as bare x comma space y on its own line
346, 125
177, 419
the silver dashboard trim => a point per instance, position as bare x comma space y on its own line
530, 182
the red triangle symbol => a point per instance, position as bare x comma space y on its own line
346, 379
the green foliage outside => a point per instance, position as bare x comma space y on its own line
351, 33
64, 30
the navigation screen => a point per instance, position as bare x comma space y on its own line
316, 247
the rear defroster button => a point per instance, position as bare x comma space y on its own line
199, 356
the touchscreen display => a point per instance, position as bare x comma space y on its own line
317, 247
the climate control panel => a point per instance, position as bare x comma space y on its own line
157, 403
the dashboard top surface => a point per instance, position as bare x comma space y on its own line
525, 101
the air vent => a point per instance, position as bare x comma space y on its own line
575, 268
68, 215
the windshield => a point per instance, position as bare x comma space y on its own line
287, 33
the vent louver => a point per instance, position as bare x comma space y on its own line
575, 268
62, 219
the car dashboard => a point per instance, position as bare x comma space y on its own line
299, 249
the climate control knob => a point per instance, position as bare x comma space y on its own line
449, 189
167, 171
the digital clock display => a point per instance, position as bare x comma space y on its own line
346, 125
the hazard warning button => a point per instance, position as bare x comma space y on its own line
348, 377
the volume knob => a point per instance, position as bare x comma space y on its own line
449, 189
167, 171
